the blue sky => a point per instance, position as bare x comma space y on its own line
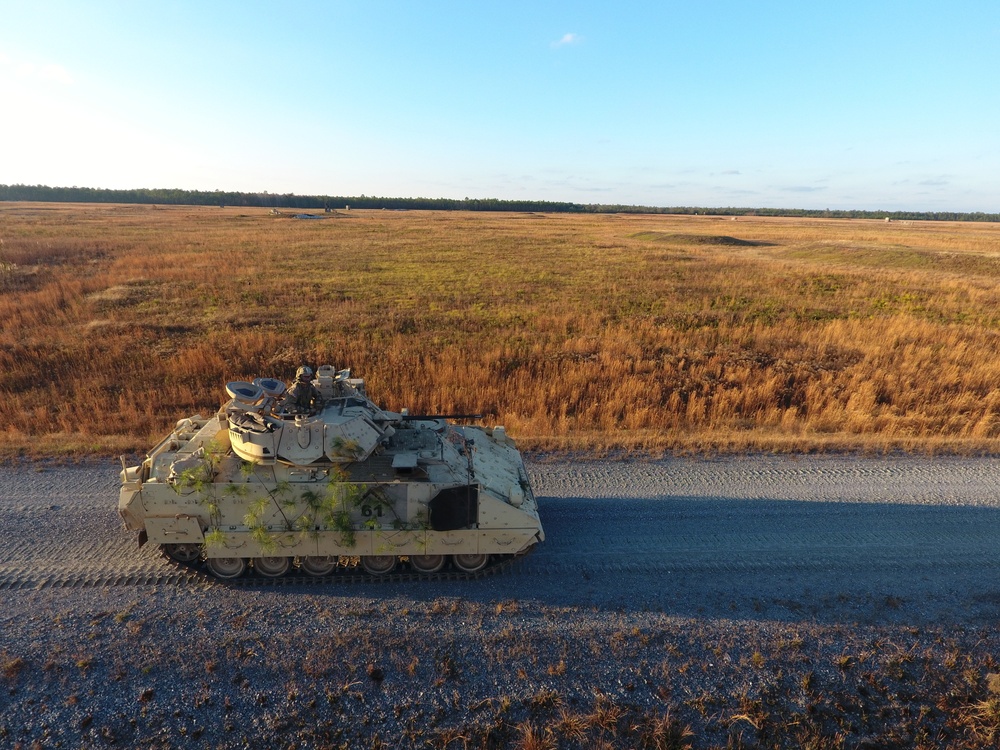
871, 104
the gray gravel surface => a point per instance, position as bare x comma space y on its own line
659, 583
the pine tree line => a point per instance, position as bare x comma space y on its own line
176, 196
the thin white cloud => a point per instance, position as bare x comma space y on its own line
49, 72
802, 188
56, 73
567, 39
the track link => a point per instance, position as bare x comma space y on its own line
348, 574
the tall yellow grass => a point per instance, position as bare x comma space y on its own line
577, 332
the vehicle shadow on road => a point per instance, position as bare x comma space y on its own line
827, 562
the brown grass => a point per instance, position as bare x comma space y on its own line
587, 332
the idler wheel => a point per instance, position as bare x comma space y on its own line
427, 563
378, 565
182, 553
470, 563
272, 567
318, 566
226, 567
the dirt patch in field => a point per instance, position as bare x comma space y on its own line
699, 239
123, 295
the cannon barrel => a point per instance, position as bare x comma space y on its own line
415, 417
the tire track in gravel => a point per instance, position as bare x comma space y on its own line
62, 531
825, 535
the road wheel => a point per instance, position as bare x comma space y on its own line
427, 563
378, 565
272, 567
182, 553
226, 567
470, 563
318, 566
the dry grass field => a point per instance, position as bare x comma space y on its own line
578, 332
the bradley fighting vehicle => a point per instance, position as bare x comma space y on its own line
328, 485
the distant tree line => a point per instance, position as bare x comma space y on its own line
175, 196
809, 212
166, 196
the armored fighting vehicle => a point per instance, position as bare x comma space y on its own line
318, 480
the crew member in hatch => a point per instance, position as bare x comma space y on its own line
302, 396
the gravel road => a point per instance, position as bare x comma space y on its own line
780, 537
104, 643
